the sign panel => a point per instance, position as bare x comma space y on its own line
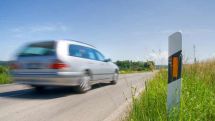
174, 70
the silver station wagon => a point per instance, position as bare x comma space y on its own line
62, 63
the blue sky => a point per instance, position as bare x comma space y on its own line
122, 29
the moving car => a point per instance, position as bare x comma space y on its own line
62, 63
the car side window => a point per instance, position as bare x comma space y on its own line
83, 52
77, 51
91, 54
99, 56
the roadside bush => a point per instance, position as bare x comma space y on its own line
4, 70
4, 75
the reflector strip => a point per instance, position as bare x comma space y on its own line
175, 67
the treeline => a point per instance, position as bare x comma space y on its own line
4, 63
128, 65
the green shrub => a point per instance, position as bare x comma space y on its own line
4, 75
4, 69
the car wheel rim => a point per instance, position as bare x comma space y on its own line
115, 78
85, 83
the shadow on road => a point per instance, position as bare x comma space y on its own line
47, 93
98, 85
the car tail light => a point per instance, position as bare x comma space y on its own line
58, 65
14, 65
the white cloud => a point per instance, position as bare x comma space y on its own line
48, 28
160, 57
27, 30
189, 31
16, 29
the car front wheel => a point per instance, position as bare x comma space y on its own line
115, 78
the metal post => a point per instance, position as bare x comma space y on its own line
174, 71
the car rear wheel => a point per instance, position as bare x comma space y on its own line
115, 78
85, 83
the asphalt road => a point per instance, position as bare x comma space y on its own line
22, 103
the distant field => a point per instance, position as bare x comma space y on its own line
197, 100
4, 75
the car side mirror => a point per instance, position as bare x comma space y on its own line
107, 60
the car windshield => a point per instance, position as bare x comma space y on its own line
39, 49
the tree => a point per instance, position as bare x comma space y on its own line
128, 65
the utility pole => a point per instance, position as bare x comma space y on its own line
194, 53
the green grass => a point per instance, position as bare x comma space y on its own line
4, 76
197, 100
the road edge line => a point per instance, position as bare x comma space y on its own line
4, 85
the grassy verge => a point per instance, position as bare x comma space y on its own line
197, 100
130, 72
4, 76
